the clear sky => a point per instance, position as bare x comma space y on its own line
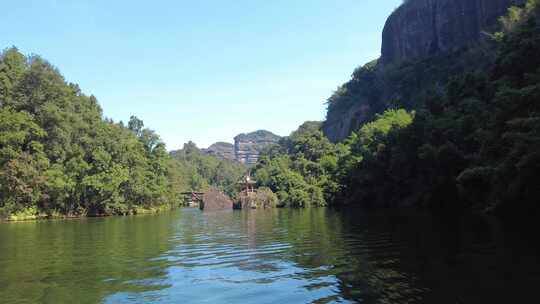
202, 70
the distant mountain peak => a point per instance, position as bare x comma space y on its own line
223, 150
248, 147
259, 136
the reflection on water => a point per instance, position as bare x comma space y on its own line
267, 256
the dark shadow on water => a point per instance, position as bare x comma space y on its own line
441, 259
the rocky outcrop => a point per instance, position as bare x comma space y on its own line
222, 150
247, 147
339, 125
216, 200
421, 28
354, 103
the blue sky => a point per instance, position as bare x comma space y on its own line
202, 70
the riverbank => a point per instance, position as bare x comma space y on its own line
33, 214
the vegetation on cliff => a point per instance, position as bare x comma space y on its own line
247, 147
259, 136
476, 143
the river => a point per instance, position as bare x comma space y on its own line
268, 256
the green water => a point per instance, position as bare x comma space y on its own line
273, 256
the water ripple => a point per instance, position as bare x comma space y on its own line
263, 256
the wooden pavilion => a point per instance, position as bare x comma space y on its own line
247, 185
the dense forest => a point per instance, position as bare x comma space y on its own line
60, 157
475, 145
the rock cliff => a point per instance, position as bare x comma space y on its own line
340, 124
420, 28
424, 42
247, 147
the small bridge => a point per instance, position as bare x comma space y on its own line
192, 198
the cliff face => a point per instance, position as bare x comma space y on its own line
339, 125
247, 147
420, 28
421, 47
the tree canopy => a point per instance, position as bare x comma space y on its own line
58, 155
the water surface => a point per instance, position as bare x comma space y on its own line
268, 256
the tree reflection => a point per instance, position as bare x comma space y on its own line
84, 260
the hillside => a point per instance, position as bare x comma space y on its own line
470, 138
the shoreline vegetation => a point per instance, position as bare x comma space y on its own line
32, 214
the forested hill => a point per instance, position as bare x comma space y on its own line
471, 139
59, 156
